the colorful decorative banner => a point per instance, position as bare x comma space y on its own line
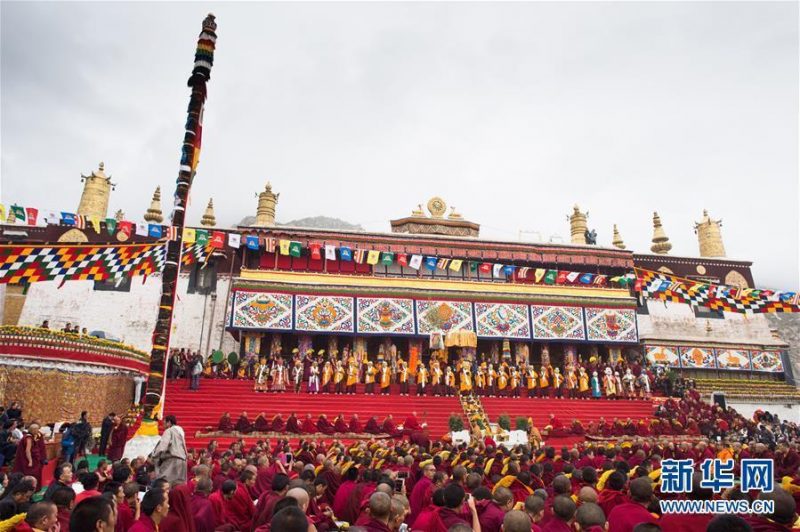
262, 310
499, 320
557, 323
668, 356
733, 359
195, 253
28, 264
697, 357
438, 316
384, 315
766, 361
324, 313
611, 325
656, 285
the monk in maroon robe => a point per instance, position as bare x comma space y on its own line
372, 426
243, 424
355, 425
225, 423
627, 515
325, 426
239, 509
612, 494
292, 424
278, 424
411, 424
345, 491
261, 424
340, 425
308, 426
390, 428
117, 440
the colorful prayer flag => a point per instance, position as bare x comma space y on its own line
295, 248
141, 229
172, 232
16, 213
202, 237
126, 227
496, 269
234, 240
572, 276
538, 275
473, 266
251, 241
415, 262
154, 230
600, 280
455, 265
345, 253
270, 243
508, 269
217, 239
359, 255
189, 235
430, 263
402, 259
111, 225
2, 212
33, 213
315, 249
330, 252
68, 218
486, 267
284, 246
561, 278
550, 276
387, 258
442, 263
522, 273
373, 256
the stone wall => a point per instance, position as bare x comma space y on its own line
788, 327
130, 316
52, 395
677, 322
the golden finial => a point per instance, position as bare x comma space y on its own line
119, 215
578, 226
661, 245
709, 236
418, 211
154, 213
617, 239
97, 187
209, 220
453, 214
267, 201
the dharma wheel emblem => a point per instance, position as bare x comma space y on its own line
437, 207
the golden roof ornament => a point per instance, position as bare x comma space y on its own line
97, 187
154, 213
661, 245
119, 215
578, 226
418, 212
437, 207
454, 215
209, 220
617, 239
709, 236
267, 202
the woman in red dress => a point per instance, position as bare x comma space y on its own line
31, 455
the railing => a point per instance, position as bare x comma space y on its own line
46, 344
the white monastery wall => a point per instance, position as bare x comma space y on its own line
130, 316
677, 321
789, 412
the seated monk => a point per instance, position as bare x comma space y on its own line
278, 424
225, 423
372, 426
355, 425
339, 424
261, 424
390, 428
243, 424
411, 424
325, 426
292, 425
557, 428
308, 425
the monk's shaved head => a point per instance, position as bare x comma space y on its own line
616, 481
563, 507
590, 514
562, 485
587, 494
380, 505
534, 504
516, 521
503, 496
641, 490
785, 506
301, 496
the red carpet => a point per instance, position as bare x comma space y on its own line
565, 410
196, 410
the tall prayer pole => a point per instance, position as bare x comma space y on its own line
190, 152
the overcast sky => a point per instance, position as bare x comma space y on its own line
511, 112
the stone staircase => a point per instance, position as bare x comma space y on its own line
756, 390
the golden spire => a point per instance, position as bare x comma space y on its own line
96, 193
709, 236
119, 215
578, 226
661, 245
154, 214
617, 240
209, 220
267, 201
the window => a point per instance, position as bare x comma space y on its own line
707, 313
203, 279
117, 284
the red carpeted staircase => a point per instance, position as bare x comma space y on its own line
197, 410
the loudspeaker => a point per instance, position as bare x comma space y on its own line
719, 399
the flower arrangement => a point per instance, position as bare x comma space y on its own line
504, 421
455, 423
38, 337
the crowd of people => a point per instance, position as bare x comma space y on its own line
485, 376
397, 485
